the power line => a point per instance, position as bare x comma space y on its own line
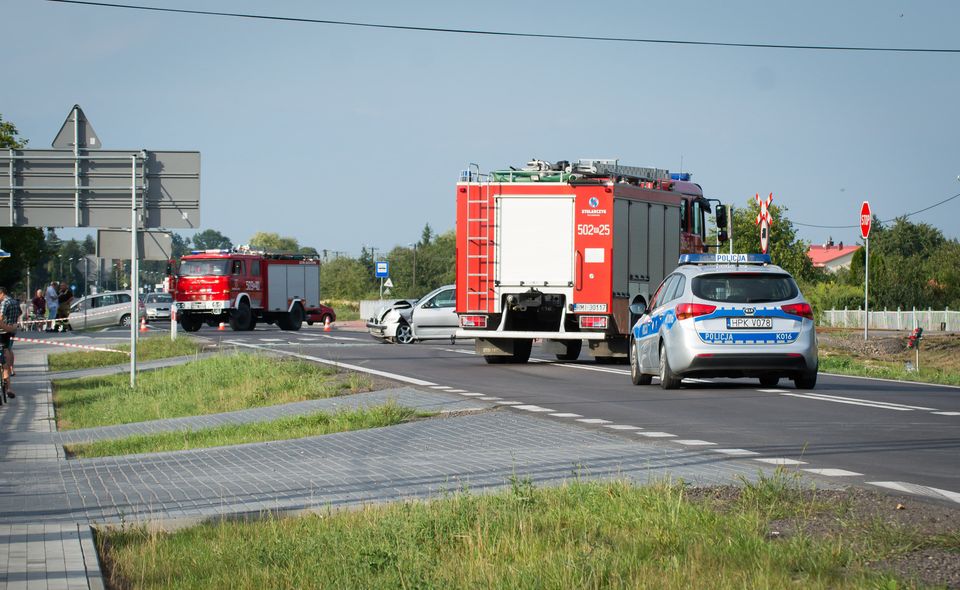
911, 214
509, 33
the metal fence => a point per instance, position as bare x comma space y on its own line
901, 319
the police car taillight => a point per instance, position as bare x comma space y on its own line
473, 321
801, 309
593, 321
692, 310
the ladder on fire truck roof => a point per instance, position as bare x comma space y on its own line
480, 219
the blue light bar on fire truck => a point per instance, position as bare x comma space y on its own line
684, 176
212, 251
724, 259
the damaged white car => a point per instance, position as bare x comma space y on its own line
432, 317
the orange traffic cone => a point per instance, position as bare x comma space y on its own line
326, 324
143, 324
222, 327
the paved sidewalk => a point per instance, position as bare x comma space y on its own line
47, 503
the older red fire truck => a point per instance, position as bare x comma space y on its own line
559, 251
243, 287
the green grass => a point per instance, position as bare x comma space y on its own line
345, 310
847, 365
217, 384
579, 535
148, 349
234, 434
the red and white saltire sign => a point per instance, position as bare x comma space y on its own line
764, 221
866, 219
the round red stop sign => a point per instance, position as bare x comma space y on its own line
865, 220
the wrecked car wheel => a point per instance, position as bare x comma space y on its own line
404, 334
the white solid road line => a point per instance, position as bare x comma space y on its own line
833, 472
946, 413
842, 401
317, 359
890, 380
855, 399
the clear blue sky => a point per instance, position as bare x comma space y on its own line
342, 136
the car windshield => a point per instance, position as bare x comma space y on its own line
199, 268
159, 298
745, 287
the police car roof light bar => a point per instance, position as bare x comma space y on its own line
724, 259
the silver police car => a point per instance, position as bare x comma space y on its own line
725, 315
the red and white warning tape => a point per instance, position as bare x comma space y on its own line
68, 345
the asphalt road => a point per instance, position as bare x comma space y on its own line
895, 435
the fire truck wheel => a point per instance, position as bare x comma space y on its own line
636, 376
573, 351
495, 359
240, 319
293, 320
667, 379
521, 350
190, 323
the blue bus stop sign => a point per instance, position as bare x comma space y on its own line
382, 271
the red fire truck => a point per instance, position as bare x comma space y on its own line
243, 287
559, 251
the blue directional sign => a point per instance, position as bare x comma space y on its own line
382, 270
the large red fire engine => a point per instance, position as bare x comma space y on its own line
558, 252
243, 287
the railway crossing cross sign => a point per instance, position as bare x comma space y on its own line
764, 220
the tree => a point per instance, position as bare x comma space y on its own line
272, 242
346, 278
427, 235
8, 136
785, 249
211, 239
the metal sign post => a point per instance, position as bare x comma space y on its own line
866, 220
134, 271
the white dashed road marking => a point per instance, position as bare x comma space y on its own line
947, 413
622, 427
456, 390
657, 434
735, 452
695, 443
910, 488
772, 390
781, 461
566, 415
509, 403
440, 387
833, 472
593, 420
488, 398
466, 393
531, 408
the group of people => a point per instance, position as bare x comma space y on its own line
51, 307
54, 305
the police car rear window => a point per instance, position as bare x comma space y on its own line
745, 287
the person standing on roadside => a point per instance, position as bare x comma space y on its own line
39, 309
64, 298
9, 316
51, 298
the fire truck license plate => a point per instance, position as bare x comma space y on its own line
592, 307
735, 323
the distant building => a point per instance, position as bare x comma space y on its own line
831, 257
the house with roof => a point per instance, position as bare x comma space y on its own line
830, 256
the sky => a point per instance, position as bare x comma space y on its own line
346, 137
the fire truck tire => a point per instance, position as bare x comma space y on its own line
637, 377
241, 318
573, 351
190, 323
521, 350
667, 378
495, 359
293, 320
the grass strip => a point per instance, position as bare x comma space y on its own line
217, 384
235, 434
843, 364
148, 349
579, 535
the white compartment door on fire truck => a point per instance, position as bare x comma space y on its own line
293, 281
535, 246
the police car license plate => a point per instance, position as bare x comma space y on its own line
749, 323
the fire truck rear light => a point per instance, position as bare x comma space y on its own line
593, 321
801, 309
473, 321
692, 310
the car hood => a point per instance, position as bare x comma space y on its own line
394, 311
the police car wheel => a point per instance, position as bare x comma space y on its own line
807, 380
769, 381
667, 379
636, 377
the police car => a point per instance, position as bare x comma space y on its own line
725, 315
